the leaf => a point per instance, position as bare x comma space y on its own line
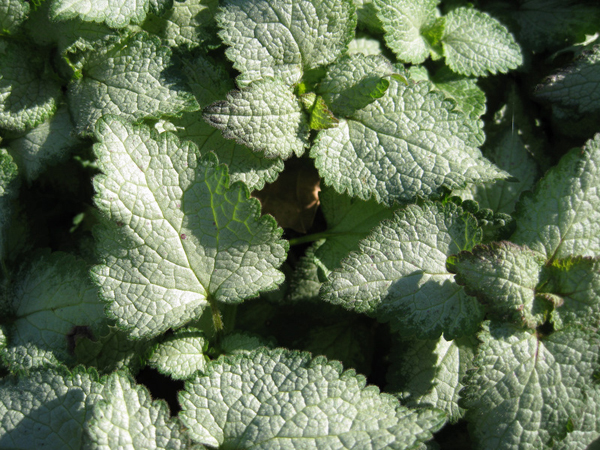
9, 184
182, 236
562, 216
476, 44
127, 417
469, 97
112, 351
283, 399
209, 79
406, 23
549, 24
354, 81
52, 302
528, 390
67, 36
252, 168
47, 409
399, 274
429, 373
186, 24
409, 143
28, 93
181, 355
348, 221
115, 13
573, 284
47, 144
283, 39
127, 77
504, 278
364, 44
12, 15
575, 86
266, 116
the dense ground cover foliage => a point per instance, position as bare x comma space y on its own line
302, 223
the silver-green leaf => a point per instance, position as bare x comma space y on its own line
181, 236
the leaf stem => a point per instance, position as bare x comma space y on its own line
216, 317
310, 238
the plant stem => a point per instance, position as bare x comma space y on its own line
310, 238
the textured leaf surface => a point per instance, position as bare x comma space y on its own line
549, 24
266, 116
284, 38
47, 144
576, 86
9, 183
12, 14
115, 13
504, 277
53, 300
128, 77
112, 351
429, 373
28, 94
574, 285
354, 81
47, 409
128, 418
281, 399
475, 44
348, 221
528, 391
186, 24
562, 216
209, 79
408, 143
404, 23
245, 165
182, 236
181, 354
399, 273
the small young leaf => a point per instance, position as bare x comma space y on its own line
127, 417
182, 236
129, 77
266, 117
399, 273
562, 217
405, 23
181, 354
476, 44
283, 39
286, 400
